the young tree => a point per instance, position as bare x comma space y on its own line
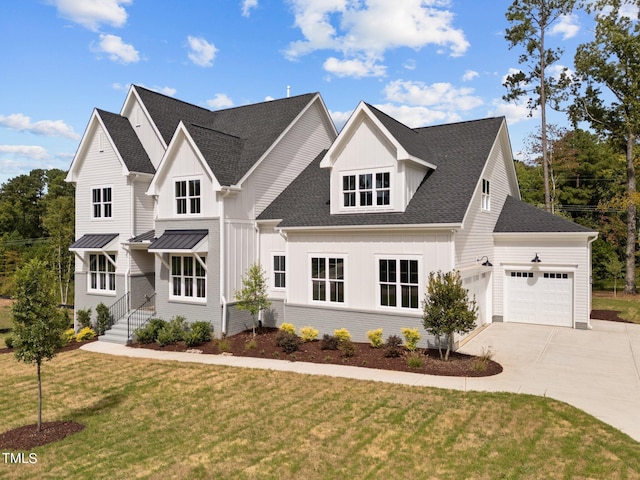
38, 324
447, 309
531, 20
611, 61
58, 222
253, 296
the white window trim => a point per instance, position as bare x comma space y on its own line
485, 197
397, 258
366, 208
109, 261
188, 197
183, 298
327, 300
101, 218
273, 272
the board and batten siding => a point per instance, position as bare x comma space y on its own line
306, 138
241, 245
555, 252
475, 239
361, 251
144, 130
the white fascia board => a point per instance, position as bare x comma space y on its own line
326, 162
508, 151
542, 235
132, 96
416, 160
280, 137
72, 175
333, 228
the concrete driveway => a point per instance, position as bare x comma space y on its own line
595, 370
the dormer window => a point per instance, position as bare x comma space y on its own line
366, 189
187, 197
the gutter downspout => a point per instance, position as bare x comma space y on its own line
226, 191
590, 272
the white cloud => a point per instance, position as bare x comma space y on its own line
117, 50
354, 68
340, 118
221, 100
33, 152
514, 112
410, 64
269, 98
440, 96
568, 26
202, 52
168, 91
91, 13
469, 75
415, 117
247, 6
49, 128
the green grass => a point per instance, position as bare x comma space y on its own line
156, 420
5, 322
628, 306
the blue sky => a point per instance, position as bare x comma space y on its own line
422, 61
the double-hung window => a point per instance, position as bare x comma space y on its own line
279, 271
486, 198
368, 189
101, 202
102, 273
188, 200
398, 282
327, 279
188, 278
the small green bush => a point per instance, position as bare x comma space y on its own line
8, 341
289, 342
329, 342
173, 332
84, 317
347, 348
342, 334
375, 338
104, 318
148, 333
85, 334
67, 336
393, 346
288, 327
411, 337
224, 345
199, 333
308, 334
252, 344
415, 360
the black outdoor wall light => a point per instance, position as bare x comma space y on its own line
536, 259
486, 263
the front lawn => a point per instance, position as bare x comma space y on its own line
5, 320
627, 305
155, 419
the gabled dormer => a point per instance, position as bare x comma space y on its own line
376, 164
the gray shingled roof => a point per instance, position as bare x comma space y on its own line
131, 150
255, 128
520, 217
144, 237
459, 150
178, 239
93, 240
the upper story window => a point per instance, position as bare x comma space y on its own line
187, 196
486, 198
367, 189
398, 282
279, 271
102, 273
101, 202
327, 279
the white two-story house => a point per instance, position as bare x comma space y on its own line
175, 202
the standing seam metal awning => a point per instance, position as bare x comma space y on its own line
95, 241
188, 241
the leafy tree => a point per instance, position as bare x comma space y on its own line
610, 61
58, 222
20, 206
614, 268
530, 21
38, 324
447, 309
253, 296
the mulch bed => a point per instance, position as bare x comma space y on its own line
28, 437
610, 315
459, 365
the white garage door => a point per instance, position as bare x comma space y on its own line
544, 298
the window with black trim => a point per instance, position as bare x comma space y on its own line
327, 279
188, 277
279, 271
398, 280
101, 201
187, 193
102, 273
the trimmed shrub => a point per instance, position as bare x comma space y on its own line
329, 342
288, 327
173, 332
415, 360
289, 342
200, 333
8, 341
85, 334
149, 332
308, 334
375, 338
342, 334
84, 317
67, 336
411, 337
347, 348
104, 317
393, 346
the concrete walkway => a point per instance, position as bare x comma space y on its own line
595, 370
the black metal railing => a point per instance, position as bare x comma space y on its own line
118, 310
141, 315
